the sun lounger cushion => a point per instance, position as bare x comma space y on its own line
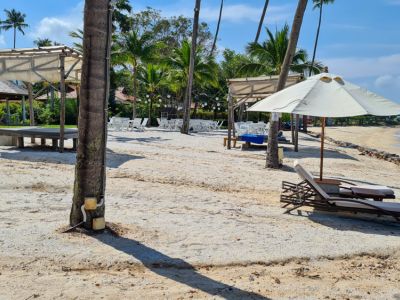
389, 206
372, 189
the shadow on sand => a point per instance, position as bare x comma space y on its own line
364, 223
314, 152
174, 268
38, 154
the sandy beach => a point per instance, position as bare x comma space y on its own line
196, 221
381, 138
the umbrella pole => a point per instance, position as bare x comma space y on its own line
323, 120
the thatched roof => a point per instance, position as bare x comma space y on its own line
10, 90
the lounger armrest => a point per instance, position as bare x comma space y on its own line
327, 181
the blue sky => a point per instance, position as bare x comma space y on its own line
360, 39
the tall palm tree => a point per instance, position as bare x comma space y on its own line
260, 24
268, 57
90, 158
272, 159
188, 96
318, 4
217, 30
205, 68
16, 21
131, 51
153, 78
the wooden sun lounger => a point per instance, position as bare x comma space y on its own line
309, 193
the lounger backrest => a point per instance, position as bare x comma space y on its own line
304, 174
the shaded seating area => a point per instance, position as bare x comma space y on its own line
44, 64
247, 91
320, 195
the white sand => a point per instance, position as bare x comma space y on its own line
183, 200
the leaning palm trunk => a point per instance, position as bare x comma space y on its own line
188, 97
90, 159
305, 118
261, 21
272, 160
217, 31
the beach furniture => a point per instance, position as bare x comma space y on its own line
310, 193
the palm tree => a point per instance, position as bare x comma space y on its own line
153, 78
188, 96
15, 20
272, 159
205, 68
261, 21
43, 42
217, 30
268, 56
131, 51
90, 158
78, 34
318, 4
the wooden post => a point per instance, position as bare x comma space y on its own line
321, 167
292, 128
23, 110
31, 112
78, 90
230, 107
62, 102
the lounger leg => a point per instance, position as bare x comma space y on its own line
293, 208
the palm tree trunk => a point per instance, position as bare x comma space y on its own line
217, 31
90, 158
15, 36
316, 39
261, 21
188, 97
150, 109
272, 160
134, 93
305, 118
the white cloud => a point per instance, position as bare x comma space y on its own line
387, 81
57, 28
355, 67
231, 13
2, 40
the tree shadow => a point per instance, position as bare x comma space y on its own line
174, 268
44, 155
124, 139
364, 223
315, 152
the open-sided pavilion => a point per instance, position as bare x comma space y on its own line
51, 64
250, 90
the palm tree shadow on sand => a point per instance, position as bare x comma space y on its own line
174, 268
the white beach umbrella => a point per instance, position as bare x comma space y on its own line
327, 95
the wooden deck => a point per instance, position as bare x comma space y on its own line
42, 133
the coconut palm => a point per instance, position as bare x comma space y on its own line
268, 56
318, 4
272, 159
43, 42
131, 51
260, 24
90, 159
16, 21
217, 30
188, 95
205, 68
152, 78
